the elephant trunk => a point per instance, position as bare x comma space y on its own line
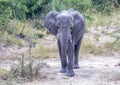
64, 38
64, 47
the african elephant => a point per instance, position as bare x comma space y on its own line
68, 27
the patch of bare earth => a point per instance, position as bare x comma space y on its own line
95, 70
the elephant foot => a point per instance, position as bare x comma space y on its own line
70, 73
63, 70
76, 66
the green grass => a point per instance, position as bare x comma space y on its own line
20, 43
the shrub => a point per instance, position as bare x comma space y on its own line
81, 5
20, 43
106, 6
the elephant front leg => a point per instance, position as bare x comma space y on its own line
70, 71
63, 64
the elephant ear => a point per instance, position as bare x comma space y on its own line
50, 22
79, 21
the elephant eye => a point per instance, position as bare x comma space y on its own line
71, 28
57, 27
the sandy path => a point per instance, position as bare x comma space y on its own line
93, 71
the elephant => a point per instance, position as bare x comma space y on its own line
68, 26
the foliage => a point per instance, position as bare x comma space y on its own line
5, 13
35, 7
106, 6
14, 14
24, 9
19, 9
82, 5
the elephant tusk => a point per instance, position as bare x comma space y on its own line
70, 39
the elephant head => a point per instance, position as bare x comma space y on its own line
61, 24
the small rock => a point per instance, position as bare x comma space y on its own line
106, 65
4, 77
117, 64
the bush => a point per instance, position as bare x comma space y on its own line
106, 6
5, 13
82, 5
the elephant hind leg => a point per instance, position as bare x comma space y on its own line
76, 53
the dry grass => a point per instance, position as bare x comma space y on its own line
4, 74
101, 19
45, 52
112, 46
16, 74
90, 47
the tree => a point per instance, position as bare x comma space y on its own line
5, 13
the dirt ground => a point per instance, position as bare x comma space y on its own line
93, 71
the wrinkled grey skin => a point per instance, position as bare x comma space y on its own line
68, 27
